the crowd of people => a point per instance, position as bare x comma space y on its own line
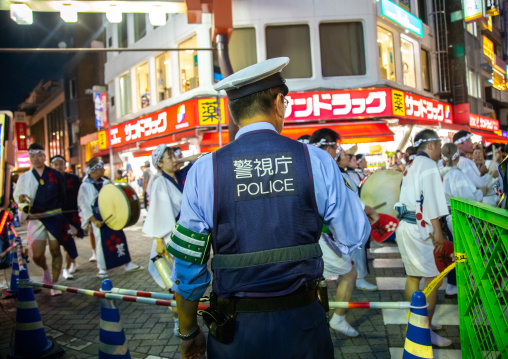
279, 215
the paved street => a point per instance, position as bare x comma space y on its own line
73, 319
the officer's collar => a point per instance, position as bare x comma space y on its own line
255, 127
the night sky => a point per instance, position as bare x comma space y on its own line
20, 73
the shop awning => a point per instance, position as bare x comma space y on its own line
350, 133
490, 136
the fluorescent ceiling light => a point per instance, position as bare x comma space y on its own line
22, 14
69, 13
157, 16
114, 14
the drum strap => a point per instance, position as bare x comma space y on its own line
271, 256
404, 214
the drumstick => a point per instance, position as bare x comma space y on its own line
379, 206
107, 219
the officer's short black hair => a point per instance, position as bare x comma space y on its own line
425, 135
35, 146
327, 134
259, 103
460, 134
505, 148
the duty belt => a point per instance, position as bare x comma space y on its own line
294, 300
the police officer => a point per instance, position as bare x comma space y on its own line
260, 203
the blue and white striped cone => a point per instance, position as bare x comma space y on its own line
23, 258
30, 339
113, 344
13, 289
418, 343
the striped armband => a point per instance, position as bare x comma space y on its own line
189, 246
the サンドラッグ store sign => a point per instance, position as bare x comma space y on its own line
360, 104
170, 120
483, 123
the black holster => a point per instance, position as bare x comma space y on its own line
323, 296
220, 321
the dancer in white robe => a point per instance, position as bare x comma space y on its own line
480, 179
421, 205
88, 212
456, 184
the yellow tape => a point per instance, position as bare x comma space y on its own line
428, 289
421, 351
460, 257
419, 321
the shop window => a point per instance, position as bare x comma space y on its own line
405, 4
292, 41
426, 73
473, 89
386, 57
142, 86
125, 94
471, 28
122, 32
408, 61
55, 122
163, 69
188, 65
423, 11
242, 48
342, 49
139, 26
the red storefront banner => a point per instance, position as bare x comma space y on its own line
360, 104
483, 123
21, 136
170, 120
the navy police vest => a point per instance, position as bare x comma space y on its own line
264, 201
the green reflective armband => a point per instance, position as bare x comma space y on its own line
189, 246
325, 230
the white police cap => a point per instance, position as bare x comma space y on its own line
255, 78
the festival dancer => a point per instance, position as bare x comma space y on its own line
480, 179
336, 264
40, 192
494, 185
456, 184
112, 248
165, 202
421, 204
70, 209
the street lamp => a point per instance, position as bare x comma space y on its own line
69, 13
22, 14
114, 14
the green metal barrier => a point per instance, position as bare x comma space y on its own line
480, 233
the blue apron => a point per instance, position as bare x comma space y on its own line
114, 243
49, 196
263, 200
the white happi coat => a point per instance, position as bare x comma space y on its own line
469, 168
165, 204
27, 184
86, 198
421, 192
457, 184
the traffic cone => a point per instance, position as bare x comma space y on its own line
30, 339
418, 344
113, 344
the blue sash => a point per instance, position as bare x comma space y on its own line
405, 215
